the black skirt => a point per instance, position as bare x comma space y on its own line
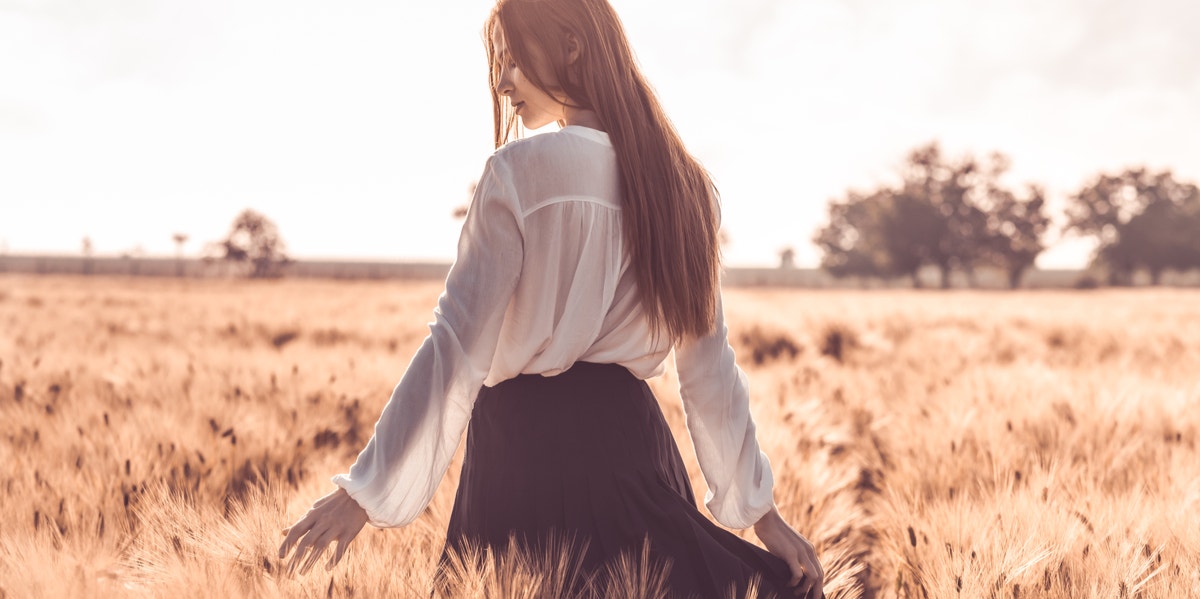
588, 455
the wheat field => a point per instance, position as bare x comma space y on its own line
157, 435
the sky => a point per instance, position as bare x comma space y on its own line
358, 127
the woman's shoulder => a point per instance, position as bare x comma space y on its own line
561, 163
566, 146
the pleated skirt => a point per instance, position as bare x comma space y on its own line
587, 455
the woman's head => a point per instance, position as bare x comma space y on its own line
530, 92
573, 51
554, 56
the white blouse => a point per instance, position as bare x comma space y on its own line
542, 281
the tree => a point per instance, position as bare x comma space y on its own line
88, 249
1186, 231
180, 239
853, 243
875, 235
951, 214
1015, 226
940, 194
787, 258
911, 229
254, 240
460, 212
1141, 220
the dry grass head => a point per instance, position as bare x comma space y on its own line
159, 434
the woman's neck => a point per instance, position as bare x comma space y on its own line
582, 117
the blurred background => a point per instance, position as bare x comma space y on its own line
142, 129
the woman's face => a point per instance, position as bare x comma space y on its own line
535, 107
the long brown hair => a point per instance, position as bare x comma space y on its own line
670, 205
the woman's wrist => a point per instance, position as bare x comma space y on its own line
770, 518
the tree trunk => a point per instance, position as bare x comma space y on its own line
1015, 274
916, 279
945, 276
1155, 276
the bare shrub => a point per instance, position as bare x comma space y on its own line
768, 346
331, 336
283, 338
837, 340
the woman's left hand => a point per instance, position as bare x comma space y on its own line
808, 578
334, 517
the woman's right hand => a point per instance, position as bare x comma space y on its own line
783, 541
334, 517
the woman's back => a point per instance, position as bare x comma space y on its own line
576, 298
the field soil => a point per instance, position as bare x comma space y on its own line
157, 435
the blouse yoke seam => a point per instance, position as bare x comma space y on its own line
563, 199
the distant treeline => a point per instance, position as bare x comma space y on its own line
957, 216
949, 222
810, 278
142, 266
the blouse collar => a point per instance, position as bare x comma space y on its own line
592, 134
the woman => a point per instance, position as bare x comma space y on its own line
586, 256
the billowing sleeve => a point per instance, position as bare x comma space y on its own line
397, 473
716, 401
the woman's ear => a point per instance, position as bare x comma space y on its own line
573, 48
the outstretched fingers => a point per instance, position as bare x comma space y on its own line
318, 549
335, 517
294, 533
298, 531
306, 542
336, 558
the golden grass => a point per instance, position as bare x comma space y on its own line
158, 434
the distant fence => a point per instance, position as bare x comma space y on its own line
434, 271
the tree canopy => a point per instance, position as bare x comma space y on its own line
254, 241
1140, 220
952, 214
